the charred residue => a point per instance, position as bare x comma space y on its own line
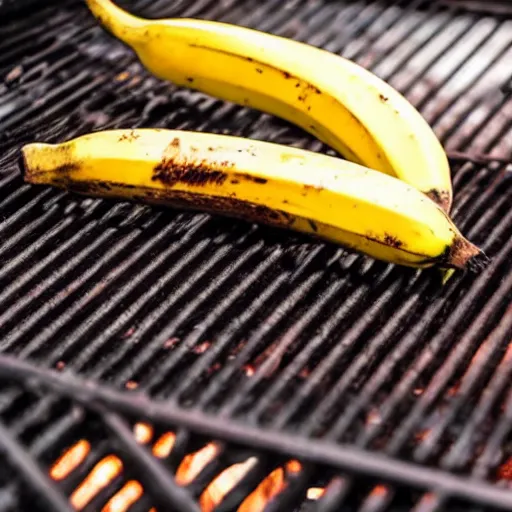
313, 225
313, 187
228, 206
392, 241
198, 173
441, 198
176, 168
131, 136
254, 179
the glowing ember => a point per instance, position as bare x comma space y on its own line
378, 491
162, 448
373, 417
505, 470
70, 460
101, 475
293, 466
223, 483
171, 342
192, 464
315, 493
453, 390
124, 498
249, 370
131, 384
122, 76
143, 432
422, 434
305, 373
111, 467
266, 491
202, 347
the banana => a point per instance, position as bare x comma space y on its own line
336, 100
291, 188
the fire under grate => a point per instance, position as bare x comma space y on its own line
261, 372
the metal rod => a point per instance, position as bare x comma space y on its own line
94, 396
29, 471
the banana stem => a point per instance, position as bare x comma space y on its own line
125, 26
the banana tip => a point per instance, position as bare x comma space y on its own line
39, 162
465, 255
24, 164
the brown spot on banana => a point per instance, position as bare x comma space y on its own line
313, 187
228, 206
443, 198
314, 227
175, 143
129, 137
174, 168
393, 241
254, 179
171, 171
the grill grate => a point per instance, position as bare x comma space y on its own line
394, 394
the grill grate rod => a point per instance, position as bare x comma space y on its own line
30, 472
96, 397
152, 474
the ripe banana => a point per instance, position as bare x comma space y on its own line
323, 196
341, 103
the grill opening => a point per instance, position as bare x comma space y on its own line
155, 359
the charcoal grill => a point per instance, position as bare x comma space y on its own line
154, 359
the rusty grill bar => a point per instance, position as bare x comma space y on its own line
393, 393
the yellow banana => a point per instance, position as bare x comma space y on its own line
339, 102
323, 196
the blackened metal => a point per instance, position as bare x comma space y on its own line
234, 320
32, 475
152, 474
97, 397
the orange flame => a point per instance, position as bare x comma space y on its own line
143, 433
223, 483
124, 498
315, 493
70, 460
192, 464
505, 470
162, 448
379, 490
107, 469
101, 475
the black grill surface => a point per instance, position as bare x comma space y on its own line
392, 391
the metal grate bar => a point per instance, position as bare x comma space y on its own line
154, 477
30, 472
165, 413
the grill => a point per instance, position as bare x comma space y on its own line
153, 359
